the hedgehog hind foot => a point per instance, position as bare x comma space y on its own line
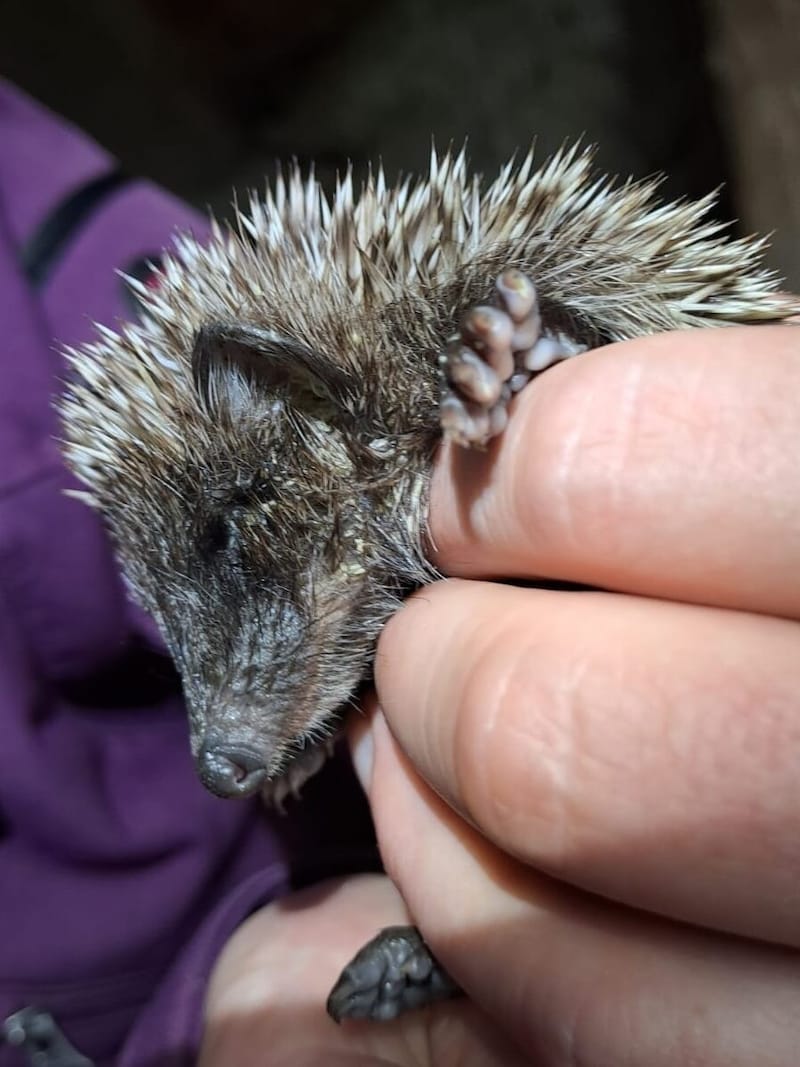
496, 352
393, 973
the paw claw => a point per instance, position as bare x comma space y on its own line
517, 293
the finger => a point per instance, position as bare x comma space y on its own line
665, 466
644, 750
571, 979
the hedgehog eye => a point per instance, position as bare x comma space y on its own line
218, 536
262, 491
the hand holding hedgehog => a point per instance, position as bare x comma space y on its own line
622, 885
261, 447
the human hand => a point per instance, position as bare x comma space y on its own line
568, 779
266, 1001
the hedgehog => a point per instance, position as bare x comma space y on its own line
260, 442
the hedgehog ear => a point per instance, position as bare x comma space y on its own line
236, 366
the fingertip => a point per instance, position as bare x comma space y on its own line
619, 469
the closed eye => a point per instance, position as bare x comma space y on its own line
219, 535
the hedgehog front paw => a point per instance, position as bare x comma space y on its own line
393, 973
306, 763
495, 353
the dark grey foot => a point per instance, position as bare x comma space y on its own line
495, 353
393, 973
35, 1033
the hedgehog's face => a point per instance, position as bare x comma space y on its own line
268, 608
264, 558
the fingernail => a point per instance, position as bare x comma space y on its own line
364, 756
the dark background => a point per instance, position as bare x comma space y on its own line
206, 95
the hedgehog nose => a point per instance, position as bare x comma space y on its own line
231, 770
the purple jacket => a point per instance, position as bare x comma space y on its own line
120, 878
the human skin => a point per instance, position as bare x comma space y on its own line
587, 800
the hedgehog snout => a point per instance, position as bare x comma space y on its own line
230, 770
